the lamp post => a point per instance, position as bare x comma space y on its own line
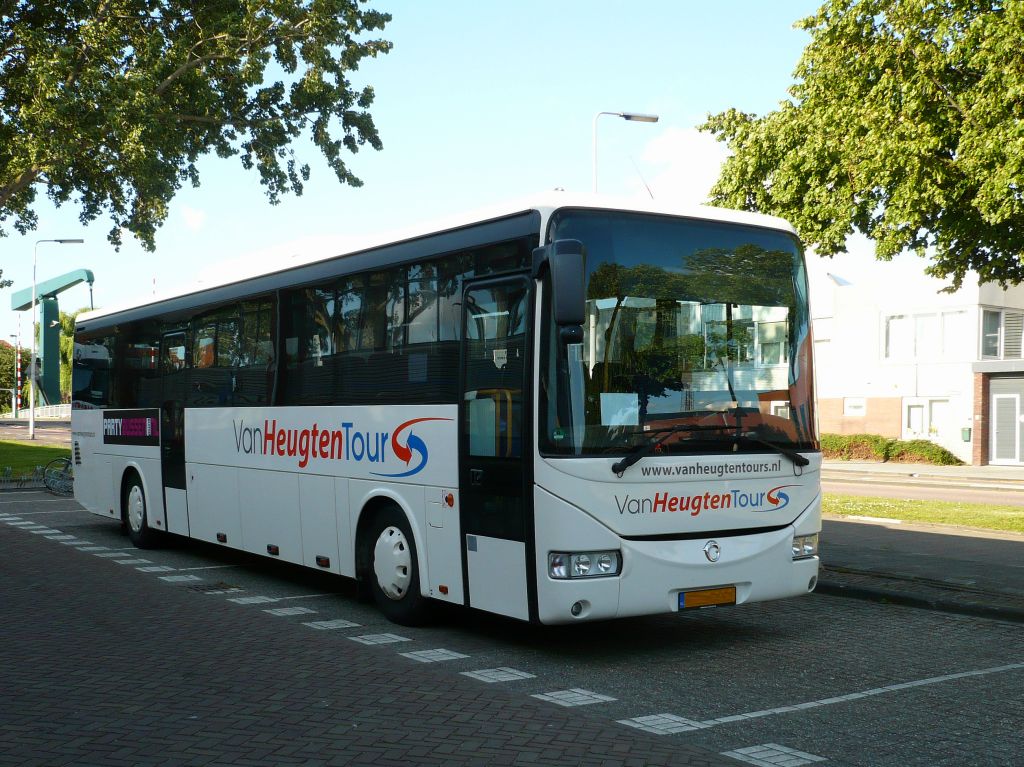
632, 117
32, 363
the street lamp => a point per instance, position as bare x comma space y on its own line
631, 116
32, 363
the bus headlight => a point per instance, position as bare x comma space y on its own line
583, 564
805, 546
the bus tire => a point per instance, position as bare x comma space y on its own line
136, 517
393, 569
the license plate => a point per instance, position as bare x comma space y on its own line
689, 600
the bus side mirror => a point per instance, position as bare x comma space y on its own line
566, 261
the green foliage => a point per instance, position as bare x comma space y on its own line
1006, 518
855, 447
922, 451
112, 103
905, 124
7, 355
871, 447
24, 457
67, 349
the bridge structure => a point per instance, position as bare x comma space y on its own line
47, 381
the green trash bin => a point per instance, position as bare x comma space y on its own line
965, 434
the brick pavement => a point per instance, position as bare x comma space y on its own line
95, 671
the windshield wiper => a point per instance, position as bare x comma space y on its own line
654, 439
792, 455
644, 449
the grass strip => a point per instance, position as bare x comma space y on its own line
23, 457
1003, 518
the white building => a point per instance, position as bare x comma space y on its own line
898, 357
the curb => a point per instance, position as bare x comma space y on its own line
837, 588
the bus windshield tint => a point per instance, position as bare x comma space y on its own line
689, 323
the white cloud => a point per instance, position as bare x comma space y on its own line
686, 162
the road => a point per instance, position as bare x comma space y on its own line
55, 433
192, 653
926, 490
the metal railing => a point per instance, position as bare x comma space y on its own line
55, 412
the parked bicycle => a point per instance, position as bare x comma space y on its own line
59, 476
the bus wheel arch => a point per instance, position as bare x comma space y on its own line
135, 510
388, 563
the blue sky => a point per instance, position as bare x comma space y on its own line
478, 102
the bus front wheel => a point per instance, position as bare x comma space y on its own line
393, 571
135, 516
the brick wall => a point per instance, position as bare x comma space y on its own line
979, 430
883, 416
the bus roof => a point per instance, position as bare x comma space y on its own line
543, 204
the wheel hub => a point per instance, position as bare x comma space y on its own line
136, 508
392, 563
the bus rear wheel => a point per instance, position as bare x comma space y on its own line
133, 502
393, 569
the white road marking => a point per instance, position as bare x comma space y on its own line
338, 623
573, 697
773, 755
501, 674
433, 656
875, 520
653, 723
257, 600
282, 611
379, 639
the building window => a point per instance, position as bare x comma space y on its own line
927, 337
855, 407
990, 322
1002, 335
899, 338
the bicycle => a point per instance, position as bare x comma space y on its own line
59, 476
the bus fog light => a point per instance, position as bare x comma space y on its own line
583, 564
558, 565
805, 546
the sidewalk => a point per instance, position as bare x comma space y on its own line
1009, 475
939, 567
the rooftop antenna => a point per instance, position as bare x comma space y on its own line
641, 175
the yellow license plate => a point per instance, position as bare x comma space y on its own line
689, 600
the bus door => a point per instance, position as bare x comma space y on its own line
173, 387
494, 448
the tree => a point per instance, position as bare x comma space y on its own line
113, 103
905, 124
67, 351
7, 357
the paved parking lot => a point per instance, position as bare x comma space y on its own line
196, 655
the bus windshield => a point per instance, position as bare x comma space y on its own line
696, 336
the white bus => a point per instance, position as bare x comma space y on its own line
561, 411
